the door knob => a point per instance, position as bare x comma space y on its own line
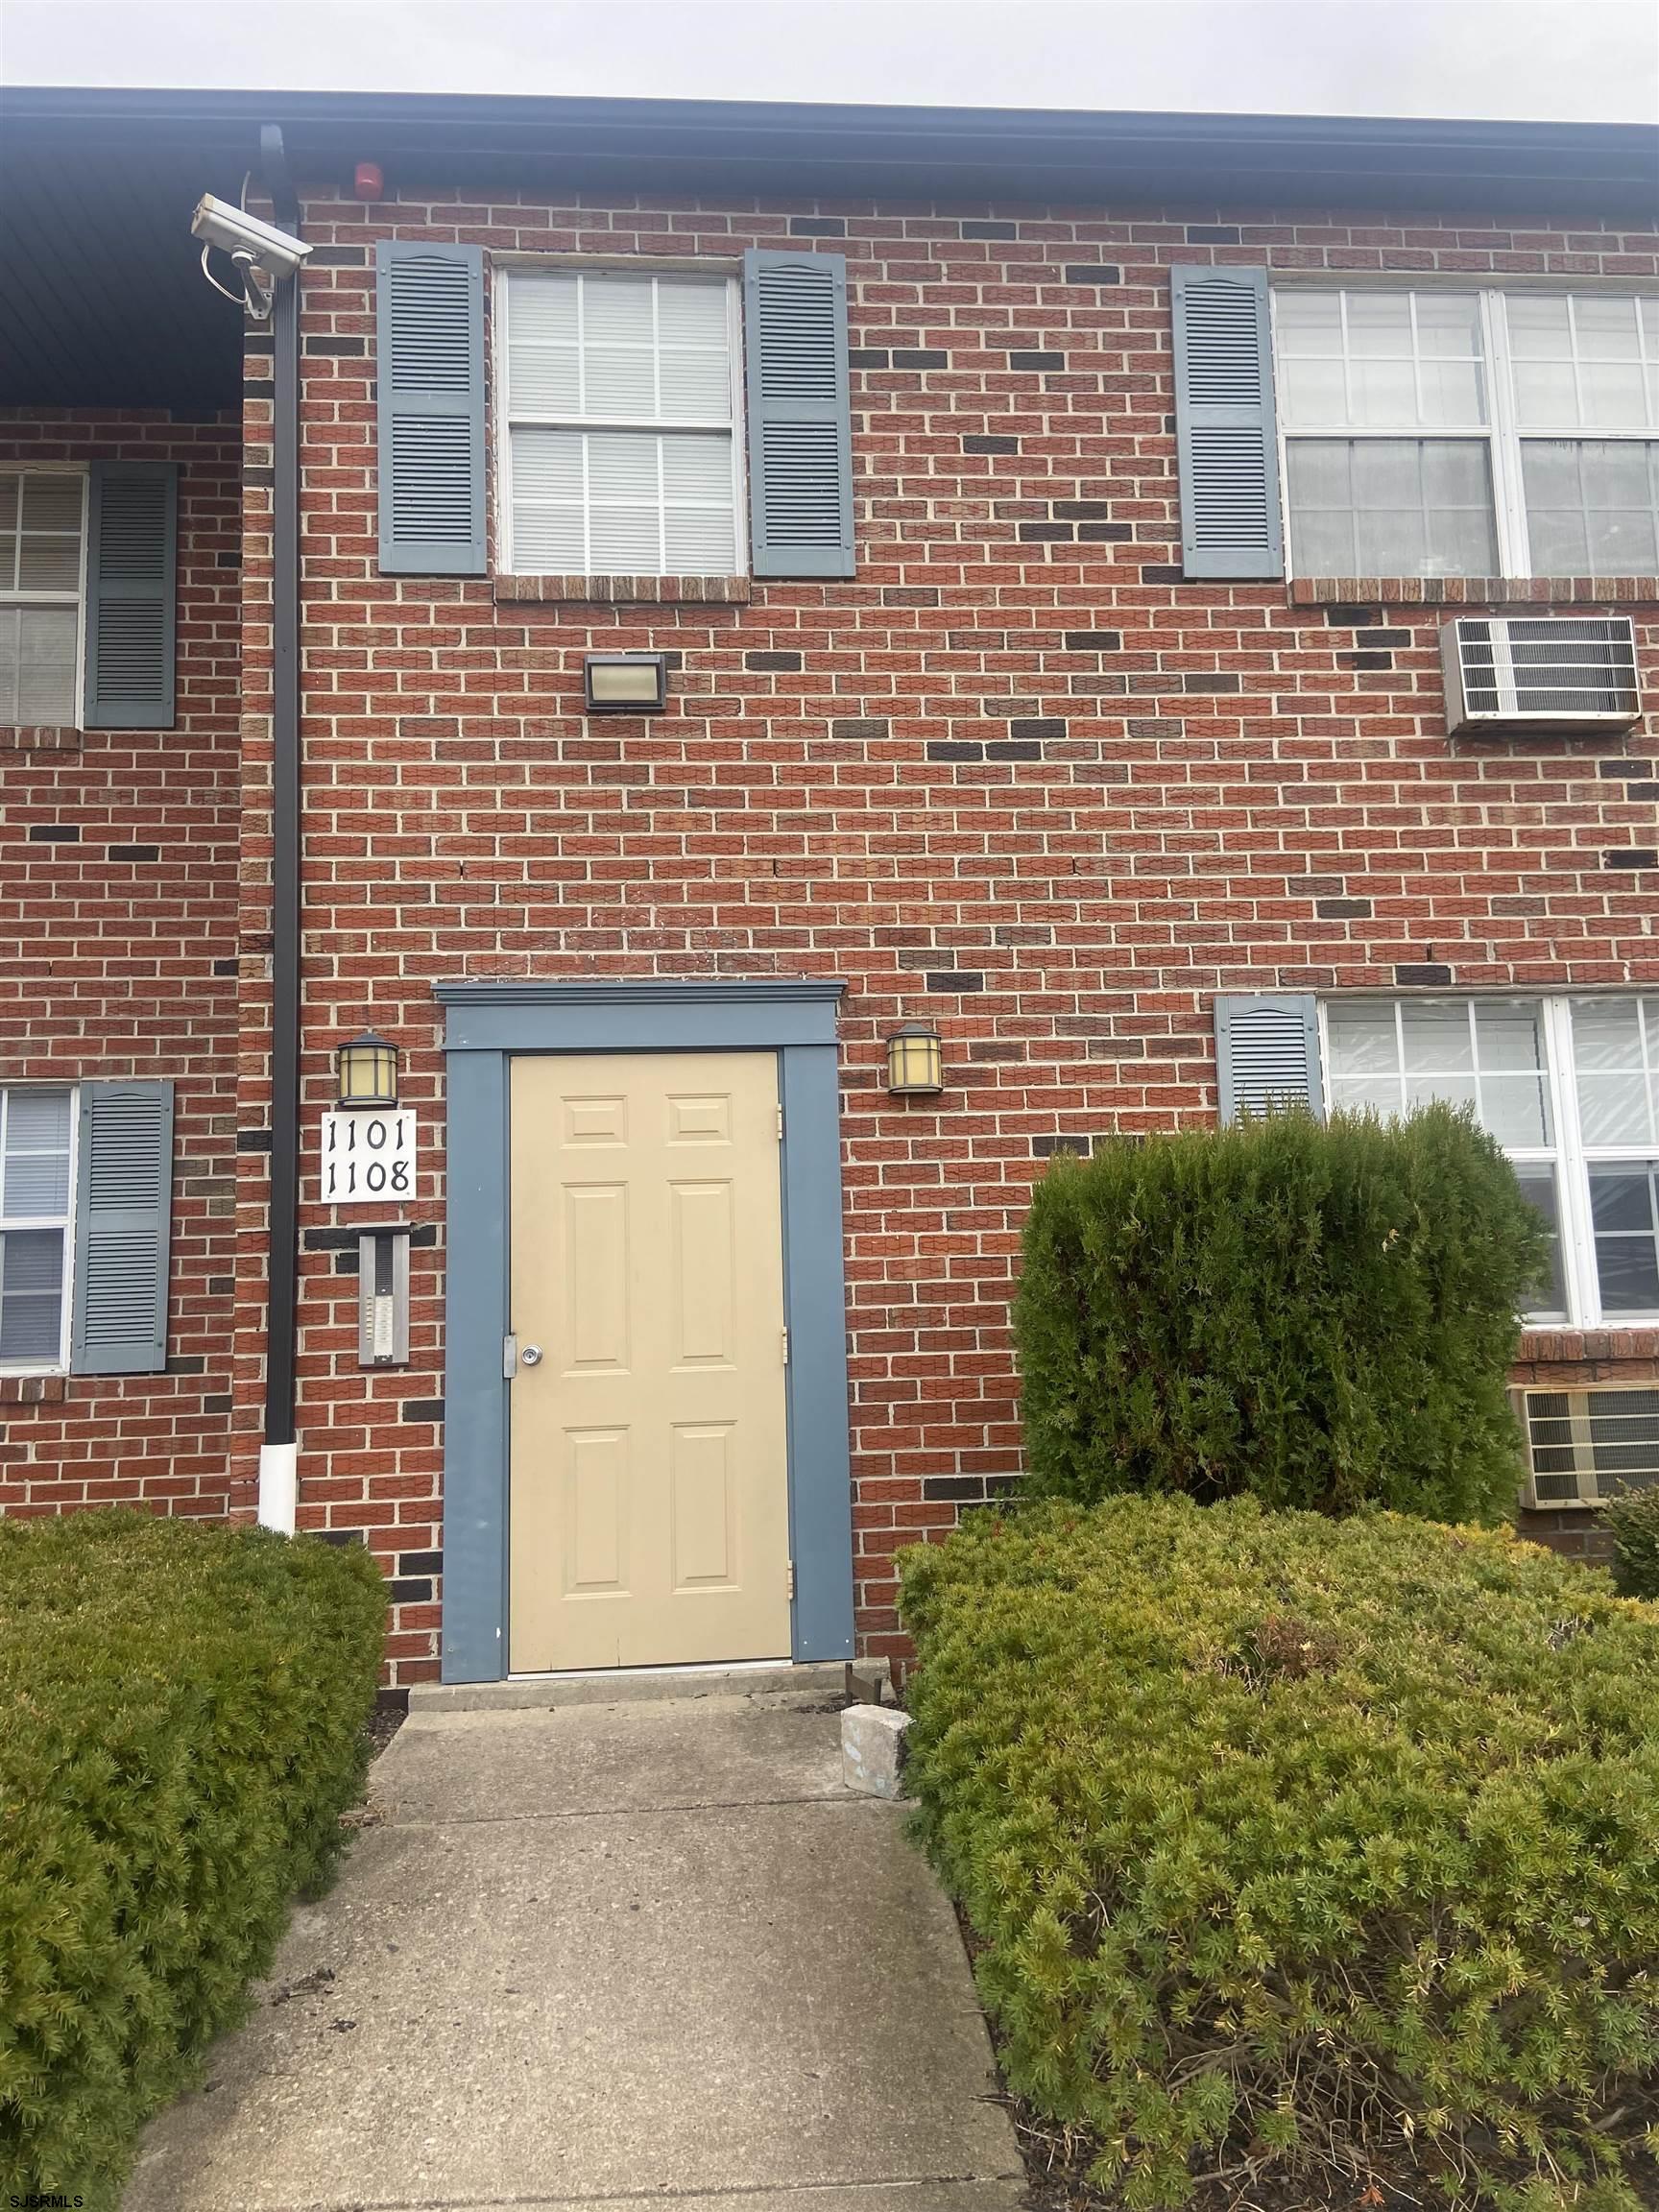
531, 1355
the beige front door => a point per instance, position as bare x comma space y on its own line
649, 1507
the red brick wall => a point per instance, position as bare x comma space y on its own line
1017, 776
117, 908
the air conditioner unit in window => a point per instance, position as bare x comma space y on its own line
1550, 672
1585, 1446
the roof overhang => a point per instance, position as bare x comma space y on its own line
96, 186
934, 153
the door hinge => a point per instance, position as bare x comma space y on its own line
786, 1337
792, 1578
509, 1358
779, 1121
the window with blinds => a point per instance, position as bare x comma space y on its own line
621, 423
43, 584
1507, 432
1584, 377
1490, 1055
1616, 1099
36, 1158
1569, 1086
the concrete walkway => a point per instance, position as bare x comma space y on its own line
600, 1956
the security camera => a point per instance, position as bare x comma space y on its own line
251, 246
247, 241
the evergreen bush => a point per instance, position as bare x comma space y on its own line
1294, 1845
1321, 1314
181, 1725
1633, 1521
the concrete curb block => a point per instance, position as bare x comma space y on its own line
873, 1750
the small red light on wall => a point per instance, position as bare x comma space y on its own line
367, 181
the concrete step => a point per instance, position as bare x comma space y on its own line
624, 1686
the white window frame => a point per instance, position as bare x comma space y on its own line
1502, 435
506, 418
1598, 1155
20, 598
1569, 1157
64, 1221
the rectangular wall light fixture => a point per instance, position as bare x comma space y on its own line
625, 683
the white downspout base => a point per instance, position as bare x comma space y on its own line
278, 1486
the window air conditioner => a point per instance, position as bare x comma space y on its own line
1552, 672
1585, 1446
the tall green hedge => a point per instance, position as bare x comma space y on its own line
181, 1725
1302, 1842
1319, 1313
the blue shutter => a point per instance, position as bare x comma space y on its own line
1267, 1054
429, 370
131, 595
1226, 438
800, 413
123, 1210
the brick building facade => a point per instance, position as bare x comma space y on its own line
1020, 775
118, 868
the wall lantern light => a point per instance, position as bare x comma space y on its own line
915, 1060
625, 683
365, 1071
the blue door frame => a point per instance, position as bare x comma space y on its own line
486, 1025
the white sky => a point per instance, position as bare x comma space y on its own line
1571, 60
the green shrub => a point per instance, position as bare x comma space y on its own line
1302, 1841
181, 1725
1633, 1521
1320, 1314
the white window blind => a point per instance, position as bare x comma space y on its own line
42, 562
1391, 506
1459, 433
36, 1146
621, 422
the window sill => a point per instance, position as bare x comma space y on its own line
624, 591
1552, 1343
49, 738
1474, 590
34, 1389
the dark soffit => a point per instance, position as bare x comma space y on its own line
104, 304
